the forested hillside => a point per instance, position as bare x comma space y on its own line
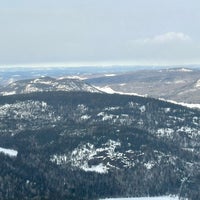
79, 145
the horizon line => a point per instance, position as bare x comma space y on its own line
97, 64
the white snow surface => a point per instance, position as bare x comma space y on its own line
145, 198
106, 89
72, 77
96, 168
189, 105
9, 152
110, 75
197, 84
9, 93
109, 90
180, 70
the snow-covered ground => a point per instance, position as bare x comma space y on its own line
189, 105
145, 198
110, 75
9, 152
109, 90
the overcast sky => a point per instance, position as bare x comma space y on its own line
100, 32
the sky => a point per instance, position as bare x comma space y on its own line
99, 32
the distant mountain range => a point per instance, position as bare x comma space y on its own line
178, 84
43, 84
12, 74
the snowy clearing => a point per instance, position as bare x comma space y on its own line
109, 90
9, 152
110, 75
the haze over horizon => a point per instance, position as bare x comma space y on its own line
99, 33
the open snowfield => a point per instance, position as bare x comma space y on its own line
145, 198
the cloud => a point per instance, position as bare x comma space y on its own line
170, 47
165, 38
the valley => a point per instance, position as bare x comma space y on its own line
177, 84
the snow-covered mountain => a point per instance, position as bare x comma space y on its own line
46, 84
178, 84
83, 145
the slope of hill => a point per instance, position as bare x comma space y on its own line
179, 84
46, 84
79, 145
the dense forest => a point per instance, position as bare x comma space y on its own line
79, 145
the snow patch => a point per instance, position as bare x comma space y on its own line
167, 110
145, 198
188, 105
96, 168
59, 159
109, 90
179, 81
81, 156
107, 117
142, 108
109, 75
112, 108
9, 152
30, 88
82, 108
85, 117
122, 84
185, 70
149, 165
106, 89
180, 70
72, 77
197, 85
165, 132
8, 93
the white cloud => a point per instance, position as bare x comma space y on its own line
165, 38
167, 48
